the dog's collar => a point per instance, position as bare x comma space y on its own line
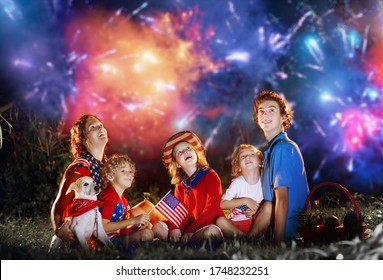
80, 206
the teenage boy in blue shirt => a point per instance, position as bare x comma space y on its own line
283, 176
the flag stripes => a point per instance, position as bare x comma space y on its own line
172, 209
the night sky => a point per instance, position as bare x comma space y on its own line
151, 68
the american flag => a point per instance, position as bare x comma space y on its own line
172, 209
238, 210
242, 208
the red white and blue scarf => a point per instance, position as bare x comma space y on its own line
194, 179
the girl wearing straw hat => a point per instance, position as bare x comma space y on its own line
198, 187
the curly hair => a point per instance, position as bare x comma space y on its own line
176, 174
115, 162
283, 106
78, 136
235, 169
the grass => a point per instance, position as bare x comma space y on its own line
26, 238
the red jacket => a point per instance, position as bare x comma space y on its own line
202, 202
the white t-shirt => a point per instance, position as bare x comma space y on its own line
240, 188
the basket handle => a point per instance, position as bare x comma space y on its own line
339, 186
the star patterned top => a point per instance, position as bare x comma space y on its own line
91, 163
114, 207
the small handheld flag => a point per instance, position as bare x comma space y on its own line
238, 210
146, 207
242, 208
170, 207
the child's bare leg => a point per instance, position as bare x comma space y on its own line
139, 236
262, 222
161, 231
228, 229
208, 232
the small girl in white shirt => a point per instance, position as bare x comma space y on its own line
244, 195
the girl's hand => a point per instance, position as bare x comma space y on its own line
252, 204
249, 213
175, 235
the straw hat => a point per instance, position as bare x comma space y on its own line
183, 136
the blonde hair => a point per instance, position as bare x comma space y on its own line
176, 173
114, 163
235, 169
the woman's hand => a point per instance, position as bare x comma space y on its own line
64, 233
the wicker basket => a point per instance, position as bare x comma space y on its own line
330, 229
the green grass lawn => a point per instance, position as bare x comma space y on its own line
27, 238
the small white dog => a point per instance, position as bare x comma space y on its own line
84, 217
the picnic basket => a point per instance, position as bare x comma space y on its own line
324, 204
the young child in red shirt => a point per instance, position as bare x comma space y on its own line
118, 174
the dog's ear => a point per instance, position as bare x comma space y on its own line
74, 186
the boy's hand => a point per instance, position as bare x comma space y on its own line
141, 220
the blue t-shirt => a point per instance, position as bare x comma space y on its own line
286, 169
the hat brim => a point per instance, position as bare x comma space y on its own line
183, 136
